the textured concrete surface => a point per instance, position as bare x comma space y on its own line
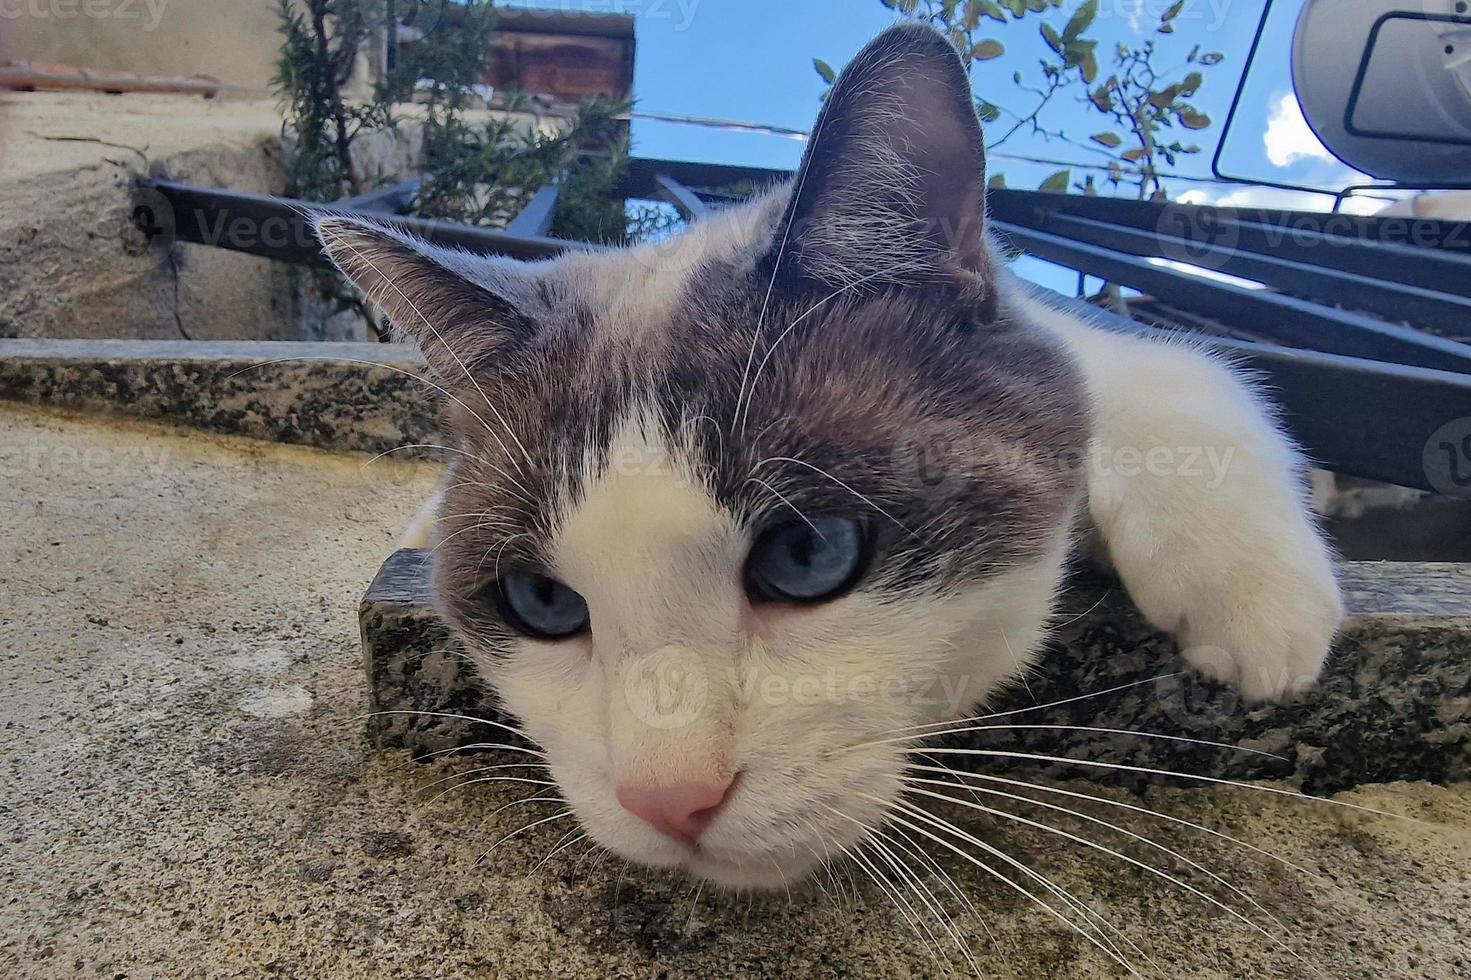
366, 397
185, 790
75, 264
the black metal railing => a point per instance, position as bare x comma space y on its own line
1357, 322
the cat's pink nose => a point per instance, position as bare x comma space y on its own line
682, 810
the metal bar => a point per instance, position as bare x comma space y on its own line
280, 229
1423, 252
389, 200
1365, 418
641, 177
537, 216
1452, 235
685, 201
1394, 301
1293, 321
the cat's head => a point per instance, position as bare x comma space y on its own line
730, 515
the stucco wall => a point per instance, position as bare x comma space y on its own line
236, 41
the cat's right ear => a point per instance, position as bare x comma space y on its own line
460, 310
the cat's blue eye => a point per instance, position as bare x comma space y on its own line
807, 561
541, 607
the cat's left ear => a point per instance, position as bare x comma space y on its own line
461, 310
892, 188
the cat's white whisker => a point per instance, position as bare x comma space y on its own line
782, 497
1089, 818
694, 904
968, 729
1021, 668
925, 896
561, 846
453, 717
781, 249
824, 473
500, 551
948, 880
535, 823
1157, 814
893, 815
415, 445
473, 747
473, 772
1105, 929
1034, 707
1094, 845
489, 779
901, 904
1065, 760
449, 349
756, 378
479, 526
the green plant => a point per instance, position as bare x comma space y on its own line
322, 40
1144, 106
477, 168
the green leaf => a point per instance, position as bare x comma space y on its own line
1191, 83
989, 8
1110, 140
1166, 28
1051, 37
997, 181
987, 111
1191, 119
1165, 96
1089, 67
988, 49
1134, 155
1172, 11
1212, 58
1080, 20
1057, 183
825, 70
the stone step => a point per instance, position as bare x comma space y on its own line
365, 397
1394, 703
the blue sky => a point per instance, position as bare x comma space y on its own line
752, 60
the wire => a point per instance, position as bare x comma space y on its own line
786, 132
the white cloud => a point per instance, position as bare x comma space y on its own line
1274, 197
1288, 138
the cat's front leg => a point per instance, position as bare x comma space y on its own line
1200, 500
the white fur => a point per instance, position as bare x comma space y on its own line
683, 680
1202, 503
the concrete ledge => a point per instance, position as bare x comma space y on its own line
1394, 704
346, 396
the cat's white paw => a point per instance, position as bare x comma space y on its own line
1198, 498
1269, 636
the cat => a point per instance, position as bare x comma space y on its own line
725, 512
